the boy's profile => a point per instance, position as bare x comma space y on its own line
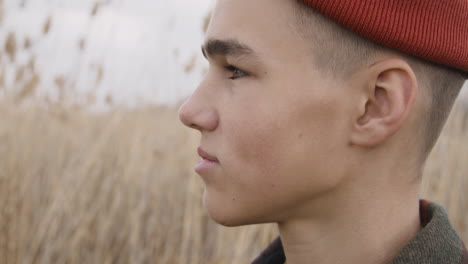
319, 115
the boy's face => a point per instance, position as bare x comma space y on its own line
278, 126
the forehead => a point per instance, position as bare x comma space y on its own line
266, 26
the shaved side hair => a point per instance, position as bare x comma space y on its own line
340, 52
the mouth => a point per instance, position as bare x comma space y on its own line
207, 162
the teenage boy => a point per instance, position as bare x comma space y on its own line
319, 115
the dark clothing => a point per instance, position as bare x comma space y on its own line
436, 243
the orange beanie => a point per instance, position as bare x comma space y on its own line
434, 30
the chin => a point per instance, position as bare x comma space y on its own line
227, 222
232, 220
226, 214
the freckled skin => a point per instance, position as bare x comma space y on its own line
280, 128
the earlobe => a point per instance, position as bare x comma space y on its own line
389, 97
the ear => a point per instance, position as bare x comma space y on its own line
388, 97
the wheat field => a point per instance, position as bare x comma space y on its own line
119, 187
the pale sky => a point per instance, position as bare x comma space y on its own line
142, 46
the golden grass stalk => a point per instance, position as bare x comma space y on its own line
118, 187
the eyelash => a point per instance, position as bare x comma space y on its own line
236, 72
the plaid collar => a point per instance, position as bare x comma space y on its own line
437, 242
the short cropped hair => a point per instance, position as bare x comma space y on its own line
342, 52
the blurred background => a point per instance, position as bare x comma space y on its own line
130, 52
94, 164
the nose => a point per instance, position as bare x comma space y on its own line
199, 112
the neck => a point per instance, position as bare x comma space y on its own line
356, 227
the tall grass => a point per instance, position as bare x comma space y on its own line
446, 173
115, 187
118, 187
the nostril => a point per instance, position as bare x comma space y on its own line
188, 118
194, 126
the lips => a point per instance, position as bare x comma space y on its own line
206, 156
206, 164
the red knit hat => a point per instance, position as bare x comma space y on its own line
435, 30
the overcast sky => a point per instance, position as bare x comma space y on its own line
142, 46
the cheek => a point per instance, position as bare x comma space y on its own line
262, 159
275, 156
242, 194
295, 146
253, 143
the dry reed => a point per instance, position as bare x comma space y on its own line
118, 187
114, 187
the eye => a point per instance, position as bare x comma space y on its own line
236, 73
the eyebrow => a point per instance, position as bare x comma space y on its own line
230, 47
